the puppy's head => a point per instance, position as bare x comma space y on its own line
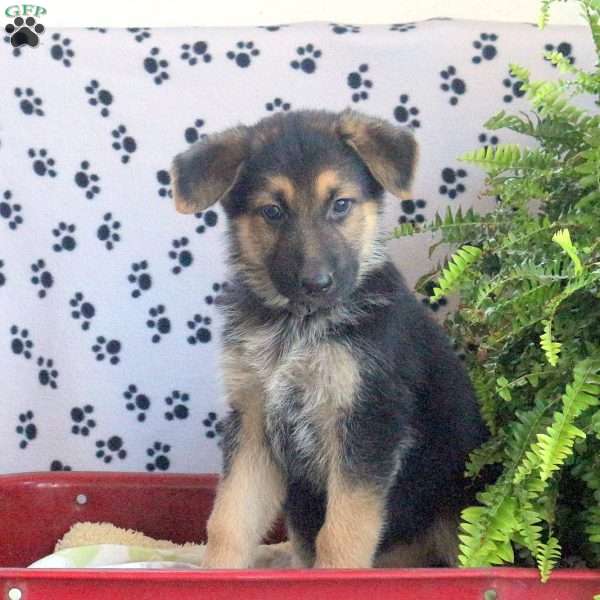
303, 194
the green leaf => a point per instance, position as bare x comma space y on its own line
456, 269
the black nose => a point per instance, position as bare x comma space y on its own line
317, 283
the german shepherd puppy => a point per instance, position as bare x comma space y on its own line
350, 412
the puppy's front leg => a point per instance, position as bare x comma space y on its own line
353, 525
249, 496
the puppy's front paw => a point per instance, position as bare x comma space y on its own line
224, 557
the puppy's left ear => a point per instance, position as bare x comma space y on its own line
389, 152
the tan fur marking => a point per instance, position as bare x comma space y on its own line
283, 185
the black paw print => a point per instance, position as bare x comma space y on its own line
47, 374
341, 29
26, 429
278, 104
27, 32
211, 425
456, 85
21, 343
156, 66
243, 55
164, 179
82, 310
195, 52
192, 134
66, 240
41, 277
123, 143
200, 330
60, 49
402, 27
86, 180
515, 87
158, 453
486, 49
209, 218
57, 465
178, 401
356, 80
136, 402
140, 33
564, 48
139, 278
158, 321
450, 178
434, 306
409, 208
41, 165
179, 254
216, 288
99, 97
405, 114
16, 52
488, 141
2, 276
10, 212
83, 424
307, 57
111, 448
107, 348
30, 104
108, 231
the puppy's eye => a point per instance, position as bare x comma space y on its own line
341, 206
272, 212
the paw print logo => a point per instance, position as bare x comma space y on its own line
192, 134
208, 218
244, 54
158, 453
87, 181
409, 208
210, 423
357, 81
123, 143
406, 114
110, 448
11, 212
136, 402
515, 87
104, 348
277, 104
83, 310
20, 343
60, 50
486, 47
216, 288
156, 66
434, 306
29, 103
183, 257
139, 278
42, 164
140, 33
47, 374
200, 330
108, 231
192, 53
82, 421
164, 179
99, 97
57, 465
403, 27
65, 240
307, 58
452, 185
492, 140
159, 322
41, 277
564, 48
452, 84
341, 29
26, 429
24, 32
177, 403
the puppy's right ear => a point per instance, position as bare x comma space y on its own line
205, 172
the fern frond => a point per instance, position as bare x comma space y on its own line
509, 156
548, 556
563, 239
452, 274
549, 346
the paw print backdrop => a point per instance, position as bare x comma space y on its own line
109, 333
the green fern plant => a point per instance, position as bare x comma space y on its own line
528, 277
